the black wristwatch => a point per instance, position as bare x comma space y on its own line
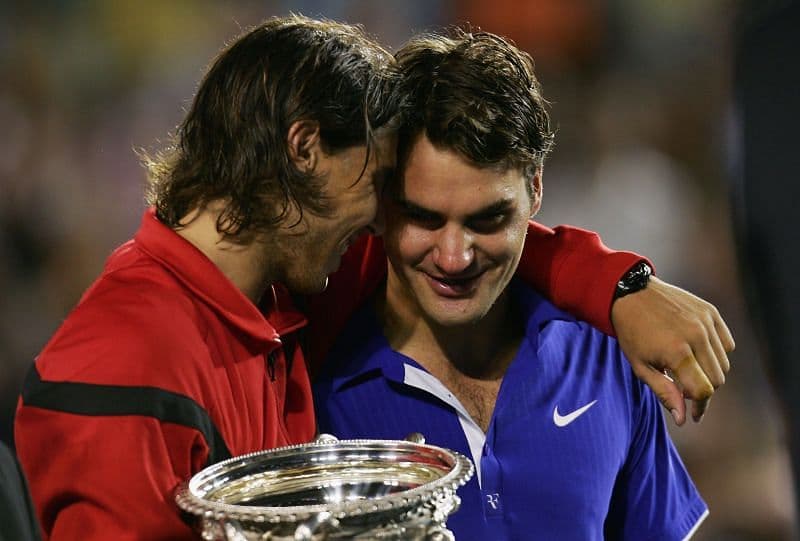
634, 280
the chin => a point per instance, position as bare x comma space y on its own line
474, 313
307, 285
451, 319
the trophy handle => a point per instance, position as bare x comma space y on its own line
439, 533
326, 438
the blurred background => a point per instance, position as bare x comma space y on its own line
646, 154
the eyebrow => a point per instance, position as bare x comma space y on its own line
498, 207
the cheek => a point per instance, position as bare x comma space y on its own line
406, 243
508, 244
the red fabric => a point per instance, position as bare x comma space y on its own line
569, 265
575, 270
160, 315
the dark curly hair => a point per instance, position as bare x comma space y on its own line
476, 94
232, 144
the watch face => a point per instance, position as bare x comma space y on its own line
634, 280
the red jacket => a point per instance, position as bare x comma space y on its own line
165, 367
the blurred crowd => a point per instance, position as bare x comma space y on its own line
641, 97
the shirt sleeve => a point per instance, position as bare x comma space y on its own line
575, 271
104, 477
110, 423
654, 498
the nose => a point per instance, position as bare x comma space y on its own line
453, 252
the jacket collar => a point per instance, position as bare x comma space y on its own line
204, 279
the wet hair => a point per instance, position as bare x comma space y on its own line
232, 144
473, 93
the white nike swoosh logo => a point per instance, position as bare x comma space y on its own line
564, 420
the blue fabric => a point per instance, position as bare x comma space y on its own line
612, 473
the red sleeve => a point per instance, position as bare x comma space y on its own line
96, 472
98, 478
575, 270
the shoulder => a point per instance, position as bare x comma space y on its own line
578, 355
579, 341
134, 321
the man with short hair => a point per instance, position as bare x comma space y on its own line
187, 349
567, 442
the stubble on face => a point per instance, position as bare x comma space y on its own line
309, 248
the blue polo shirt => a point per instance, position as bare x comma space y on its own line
577, 447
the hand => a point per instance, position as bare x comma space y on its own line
677, 344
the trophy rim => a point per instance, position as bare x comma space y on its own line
460, 472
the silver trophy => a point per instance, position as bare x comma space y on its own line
329, 489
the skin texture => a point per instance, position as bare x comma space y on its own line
676, 342
311, 249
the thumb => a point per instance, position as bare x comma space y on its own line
667, 391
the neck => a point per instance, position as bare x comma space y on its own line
480, 350
242, 264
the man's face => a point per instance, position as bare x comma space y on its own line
454, 235
314, 247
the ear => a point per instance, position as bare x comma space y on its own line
303, 144
536, 190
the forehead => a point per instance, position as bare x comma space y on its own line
433, 174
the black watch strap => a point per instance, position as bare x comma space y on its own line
634, 280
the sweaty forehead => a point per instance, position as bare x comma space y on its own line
427, 165
459, 193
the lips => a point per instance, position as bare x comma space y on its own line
453, 287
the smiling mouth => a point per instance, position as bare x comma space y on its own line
454, 287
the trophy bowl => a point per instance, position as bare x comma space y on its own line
329, 489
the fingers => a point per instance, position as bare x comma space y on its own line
720, 352
667, 391
692, 378
724, 333
699, 408
706, 357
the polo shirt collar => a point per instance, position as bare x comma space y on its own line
377, 357
200, 275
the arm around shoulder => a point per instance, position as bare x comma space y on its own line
575, 270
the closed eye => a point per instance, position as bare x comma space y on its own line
488, 223
422, 218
